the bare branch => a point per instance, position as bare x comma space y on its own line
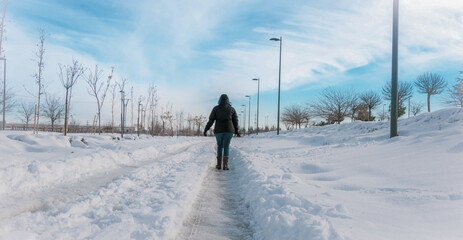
27, 112
334, 104
97, 90
295, 115
371, 100
53, 109
430, 84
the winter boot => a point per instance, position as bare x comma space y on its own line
219, 163
225, 163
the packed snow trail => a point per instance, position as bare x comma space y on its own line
218, 212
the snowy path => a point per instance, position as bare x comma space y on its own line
17, 203
218, 211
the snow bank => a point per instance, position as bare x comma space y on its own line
351, 181
31, 161
348, 181
56, 187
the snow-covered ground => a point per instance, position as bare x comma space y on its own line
348, 181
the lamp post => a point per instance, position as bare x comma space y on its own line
249, 110
123, 108
279, 83
4, 91
258, 90
143, 114
244, 118
395, 53
138, 119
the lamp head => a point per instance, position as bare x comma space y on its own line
247, 96
255, 79
274, 39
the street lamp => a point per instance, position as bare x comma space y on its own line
258, 90
4, 91
124, 103
249, 117
394, 72
143, 115
244, 118
138, 118
279, 84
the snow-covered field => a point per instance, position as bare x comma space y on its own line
348, 181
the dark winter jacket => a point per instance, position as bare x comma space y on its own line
224, 115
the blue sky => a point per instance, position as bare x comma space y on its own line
196, 50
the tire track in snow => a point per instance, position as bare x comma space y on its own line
14, 204
218, 211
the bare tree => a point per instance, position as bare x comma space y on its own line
26, 112
295, 115
190, 121
455, 93
354, 108
3, 95
69, 76
404, 91
167, 119
371, 100
53, 109
362, 113
152, 102
430, 84
179, 118
38, 76
199, 121
416, 108
2, 26
98, 89
334, 104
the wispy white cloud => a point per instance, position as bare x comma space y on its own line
185, 48
322, 39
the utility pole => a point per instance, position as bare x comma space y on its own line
244, 119
279, 83
395, 54
138, 119
124, 103
249, 115
258, 92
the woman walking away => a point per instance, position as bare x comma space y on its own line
226, 123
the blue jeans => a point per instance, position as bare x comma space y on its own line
223, 143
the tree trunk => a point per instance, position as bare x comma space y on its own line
38, 112
429, 102
66, 114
